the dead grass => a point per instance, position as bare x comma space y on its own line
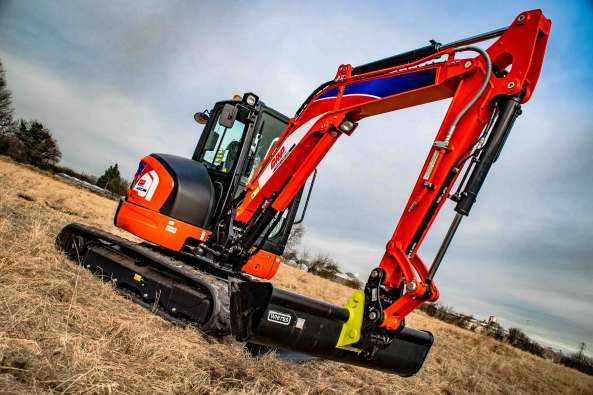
63, 331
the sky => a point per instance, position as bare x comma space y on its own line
116, 80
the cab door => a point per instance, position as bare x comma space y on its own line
268, 128
252, 136
219, 149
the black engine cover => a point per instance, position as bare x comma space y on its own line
192, 198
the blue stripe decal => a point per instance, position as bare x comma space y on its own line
387, 86
330, 93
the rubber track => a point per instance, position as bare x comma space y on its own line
86, 236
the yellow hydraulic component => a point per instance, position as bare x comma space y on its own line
137, 277
351, 330
219, 157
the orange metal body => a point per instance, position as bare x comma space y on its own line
310, 135
157, 228
163, 186
263, 264
139, 214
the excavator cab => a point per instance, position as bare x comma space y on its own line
181, 203
237, 136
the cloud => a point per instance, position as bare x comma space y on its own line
95, 126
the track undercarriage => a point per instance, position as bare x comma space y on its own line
171, 287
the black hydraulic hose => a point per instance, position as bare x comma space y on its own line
462, 158
316, 91
259, 227
399, 59
265, 237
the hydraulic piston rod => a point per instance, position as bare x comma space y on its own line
419, 53
510, 110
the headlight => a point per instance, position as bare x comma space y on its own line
250, 99
347, 126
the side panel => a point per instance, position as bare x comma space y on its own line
177, 187
192, 198
263, 265
157, 228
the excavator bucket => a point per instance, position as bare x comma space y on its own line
273, 317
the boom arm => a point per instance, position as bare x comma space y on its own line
486, 93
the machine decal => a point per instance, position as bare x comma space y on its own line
171, 227
360, 91
279, 318
141, 167
286, 148
146, 185
277, 158
300, 324
384, 87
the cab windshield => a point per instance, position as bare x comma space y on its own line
223, 146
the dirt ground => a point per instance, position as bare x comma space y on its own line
64, 331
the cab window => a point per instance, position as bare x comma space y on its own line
271, 129
222, 146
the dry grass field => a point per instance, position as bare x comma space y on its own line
63, 331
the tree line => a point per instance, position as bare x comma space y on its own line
513, 336
30, 142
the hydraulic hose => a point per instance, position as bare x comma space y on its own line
478, 93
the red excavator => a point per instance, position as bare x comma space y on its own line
215, 224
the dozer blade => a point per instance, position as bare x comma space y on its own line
265, 315
169, 287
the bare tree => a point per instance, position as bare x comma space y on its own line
6, 112
294, 240
324, 266
581, 353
